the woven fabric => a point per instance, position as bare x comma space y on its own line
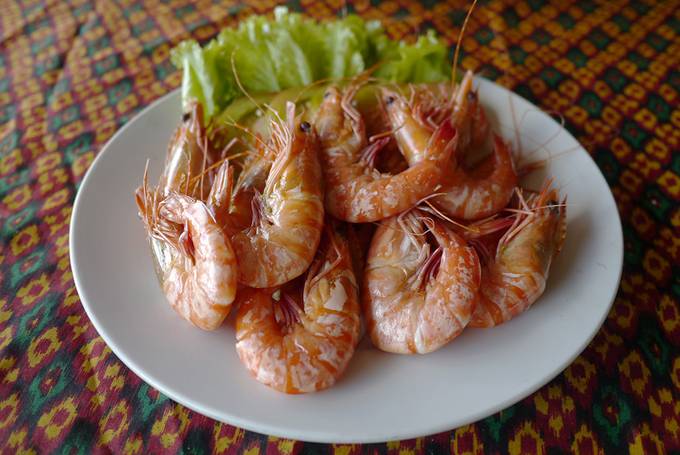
72, 73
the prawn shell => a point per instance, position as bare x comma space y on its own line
481, 192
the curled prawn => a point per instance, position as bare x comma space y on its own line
299, 348
287, 218
420, 284
470, 194
515, 277
356, 190
194, 260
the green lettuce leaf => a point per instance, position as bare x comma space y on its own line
270, 55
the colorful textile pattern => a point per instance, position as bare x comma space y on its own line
72, 73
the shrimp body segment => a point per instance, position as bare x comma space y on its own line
516, 277
483, 191
288, 216
300, 350
417, 299
356, 191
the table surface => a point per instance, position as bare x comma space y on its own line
72, 73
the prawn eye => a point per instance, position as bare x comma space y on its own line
327, 94
186, 116
389, 100
554, 206
305, 127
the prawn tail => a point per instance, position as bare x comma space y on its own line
486, 314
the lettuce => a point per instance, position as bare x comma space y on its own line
270, 55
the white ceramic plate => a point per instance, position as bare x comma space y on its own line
382, 396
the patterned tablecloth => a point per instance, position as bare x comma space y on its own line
72, 73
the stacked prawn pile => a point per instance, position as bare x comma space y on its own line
346, 212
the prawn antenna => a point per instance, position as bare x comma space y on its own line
552, 137
234, 124
425, 205
527, 209
365, 74
515, 125
245, 92
487, 226
456, 53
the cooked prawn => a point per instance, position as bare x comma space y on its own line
428, 105
288, 216
418, 298
468, 194
356, 190
299, 350
195, 262
516, 275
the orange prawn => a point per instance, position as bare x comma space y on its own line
194, 260
304, 348
515, 277
467, 194
356, 190
287, 218
419, 293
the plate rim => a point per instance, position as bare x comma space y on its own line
307, 435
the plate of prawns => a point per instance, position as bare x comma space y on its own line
356, 261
